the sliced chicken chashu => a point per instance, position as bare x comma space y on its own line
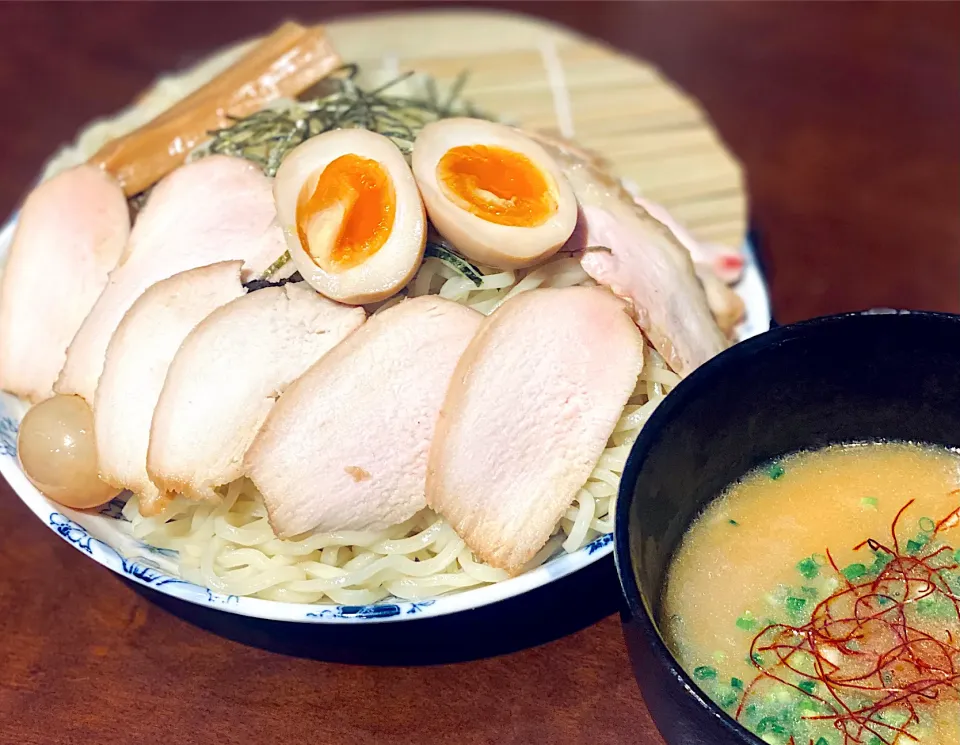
642, 261
227, 375
71, 231
345, 448
215, 209
531, 406
138, 357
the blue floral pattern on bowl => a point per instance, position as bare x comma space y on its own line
378, 610
8, 436
76, 534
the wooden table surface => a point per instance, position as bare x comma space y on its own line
846, 118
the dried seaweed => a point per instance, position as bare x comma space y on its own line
267, 136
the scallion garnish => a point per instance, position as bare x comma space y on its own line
854, 571
747, 622
807, 686
869, 503
808, 568
705, 672
775, 471
915, 546
795, 605
927, 525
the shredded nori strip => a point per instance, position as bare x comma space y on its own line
265, 137
452, 259
258, 284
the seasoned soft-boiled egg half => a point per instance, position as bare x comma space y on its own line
494, 193
351, 214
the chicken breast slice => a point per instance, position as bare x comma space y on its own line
215, 209
642, 261
71, 231
346, 446
227, 375
138, 357
531, 406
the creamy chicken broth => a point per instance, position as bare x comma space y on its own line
818, 599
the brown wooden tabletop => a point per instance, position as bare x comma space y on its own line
846, 118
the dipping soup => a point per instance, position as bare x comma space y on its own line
817, 600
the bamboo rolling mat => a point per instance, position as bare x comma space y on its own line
531, 73
542, 76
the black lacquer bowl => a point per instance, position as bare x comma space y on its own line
863, 376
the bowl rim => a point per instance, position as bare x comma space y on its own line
390, 610
638, 608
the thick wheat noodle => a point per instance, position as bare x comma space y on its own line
230, 547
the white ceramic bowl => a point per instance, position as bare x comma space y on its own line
102, 535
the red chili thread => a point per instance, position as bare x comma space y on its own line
882, 655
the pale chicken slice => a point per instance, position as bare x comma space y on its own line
642, 261
216, 209
531, 406
227, 375
726, 264
138, 357
345, 448
70, 233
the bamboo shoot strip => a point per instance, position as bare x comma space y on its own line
284, 63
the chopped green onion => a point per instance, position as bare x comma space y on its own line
727, 699
733, 522
775, 471
736, 683
957, 555
854, 571
809, 592
927, 525
807, 686
796, 604
915, 546
756, 658
880, 560
823, 741
808, 568
705, 672
869, 502
820, 559
770, 724
747, 622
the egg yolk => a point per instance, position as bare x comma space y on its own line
349, 214
497, 185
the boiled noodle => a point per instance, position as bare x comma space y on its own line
231, 548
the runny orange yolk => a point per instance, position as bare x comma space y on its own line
351, 209
497, 185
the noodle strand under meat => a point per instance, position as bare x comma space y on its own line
230, 547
